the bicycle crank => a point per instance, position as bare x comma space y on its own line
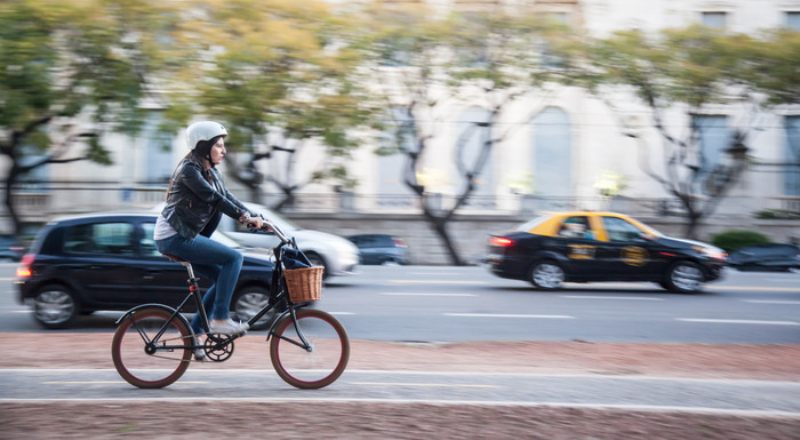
218, 347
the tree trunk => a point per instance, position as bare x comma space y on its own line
286, 201
11, 180
692, 224
440, 227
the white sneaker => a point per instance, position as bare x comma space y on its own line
200, 352
228, 327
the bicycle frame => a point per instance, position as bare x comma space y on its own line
278, 293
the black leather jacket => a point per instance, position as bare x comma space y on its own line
196, 199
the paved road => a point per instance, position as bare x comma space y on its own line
657, 393
447, 304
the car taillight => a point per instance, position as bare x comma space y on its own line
24, 269
500, 241
400, 243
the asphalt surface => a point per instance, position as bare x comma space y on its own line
589, 391
453, 304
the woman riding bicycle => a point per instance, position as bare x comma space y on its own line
196, 200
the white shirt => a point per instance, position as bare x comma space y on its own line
163, 229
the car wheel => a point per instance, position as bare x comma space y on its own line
390, 262
54, 306
547, 275
684, 277
317, 260
249, 301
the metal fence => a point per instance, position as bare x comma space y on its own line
39, 202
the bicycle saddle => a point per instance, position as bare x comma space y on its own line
175, 258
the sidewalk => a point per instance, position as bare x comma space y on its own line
777, 362
335, 420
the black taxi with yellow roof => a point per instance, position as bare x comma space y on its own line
584, 246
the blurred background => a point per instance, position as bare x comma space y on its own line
432, 123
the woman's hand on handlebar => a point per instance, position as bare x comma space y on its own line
252, 222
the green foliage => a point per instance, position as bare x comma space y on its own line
274, 78
62, 59
734, 239
778, 214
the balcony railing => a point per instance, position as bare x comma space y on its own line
42, 201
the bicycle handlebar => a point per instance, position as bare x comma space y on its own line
270, 227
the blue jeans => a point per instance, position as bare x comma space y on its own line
214, 260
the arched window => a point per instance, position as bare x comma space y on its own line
552, 153
791, 180
473, 133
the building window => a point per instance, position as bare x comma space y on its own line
158, 162
714, 19
35, 180
552, 156
793, 20
474, 132
714, 137
791, 179
399, 140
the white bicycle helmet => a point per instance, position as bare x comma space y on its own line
203, 131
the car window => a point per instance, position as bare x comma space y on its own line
576, 227
384, 241
99, 239
368, 241
147, 246
620, 230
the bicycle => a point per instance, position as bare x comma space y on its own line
153, 344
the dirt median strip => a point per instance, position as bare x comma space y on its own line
771, 362
373, 421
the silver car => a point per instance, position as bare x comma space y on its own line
338, 255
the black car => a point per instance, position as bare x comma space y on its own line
380, 249
772, 257
95, 262
601, 246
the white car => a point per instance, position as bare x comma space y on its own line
338, 255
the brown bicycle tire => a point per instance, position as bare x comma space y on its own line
276, 342
122, 331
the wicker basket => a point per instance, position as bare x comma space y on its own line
304, 284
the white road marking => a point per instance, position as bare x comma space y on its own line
737, 321
436, 273
342, 313
424, 294
507, 315
501, 403
771, 301
448, 373
753, 288
634, 298
421, 384
444, 282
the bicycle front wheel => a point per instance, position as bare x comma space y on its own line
143, 360
319, 362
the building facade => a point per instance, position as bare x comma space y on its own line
558, 154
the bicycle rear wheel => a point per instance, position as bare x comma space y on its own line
159, 364
322, 362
